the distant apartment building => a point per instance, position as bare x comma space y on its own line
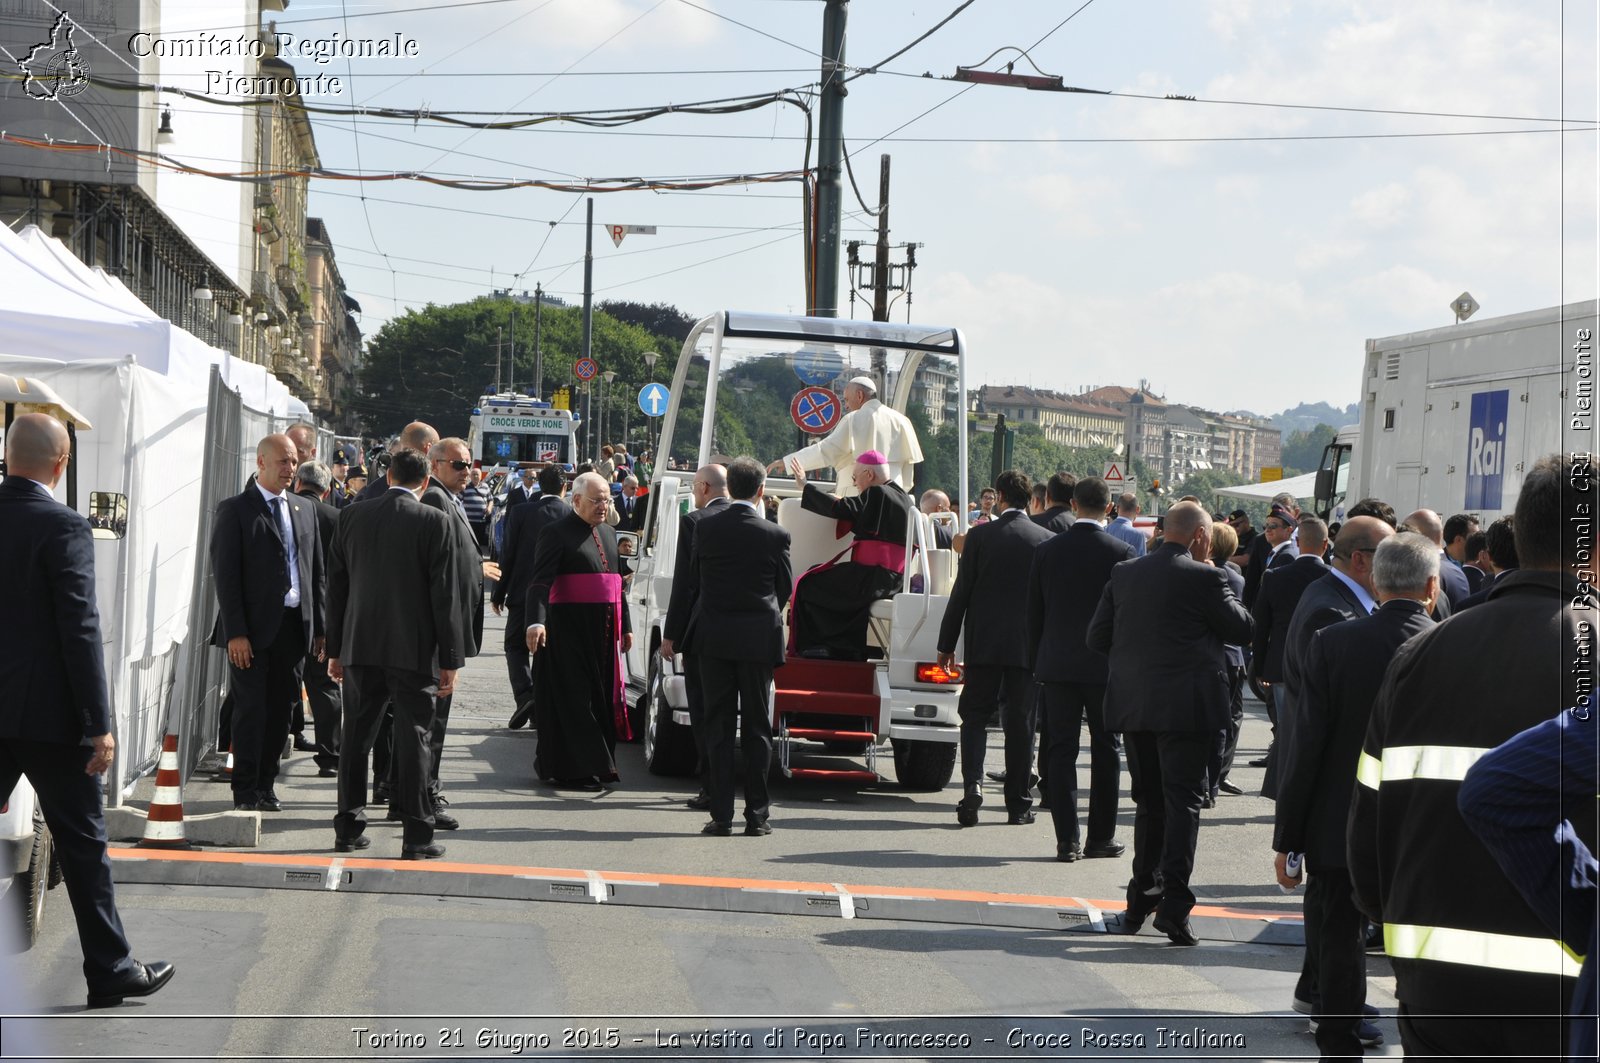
333, 341
1069, 420
936, 387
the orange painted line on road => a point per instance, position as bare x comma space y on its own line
353, 862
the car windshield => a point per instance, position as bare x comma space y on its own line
777, 393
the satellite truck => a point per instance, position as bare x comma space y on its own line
748, 383
1451, 418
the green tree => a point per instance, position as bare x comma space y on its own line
1302, 450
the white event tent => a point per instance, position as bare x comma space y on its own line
1299, 486
144, 384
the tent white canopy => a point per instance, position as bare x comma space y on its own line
1299, 486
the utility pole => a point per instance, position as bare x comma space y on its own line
880, 275
824, 296
538, 350
588, 313
499, 338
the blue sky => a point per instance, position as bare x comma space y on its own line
1236, 273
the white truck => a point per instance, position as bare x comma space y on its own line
738, 380
1452, 417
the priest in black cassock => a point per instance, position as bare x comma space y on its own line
832, 600
575, 612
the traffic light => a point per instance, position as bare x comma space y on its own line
1155, 487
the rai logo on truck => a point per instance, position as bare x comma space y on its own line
1486, 449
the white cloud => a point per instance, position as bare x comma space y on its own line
1383, 206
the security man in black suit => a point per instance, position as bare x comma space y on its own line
55, 716
710, 494
394, 634
991, 587
1162, 622
1069, 575
313, 482
1344, 667
1059, 492
418, 436
1275, 601
741, 566
524, 525
267, 561
450, 469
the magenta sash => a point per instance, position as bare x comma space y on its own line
600, 588
891, 556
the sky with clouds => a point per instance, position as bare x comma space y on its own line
1236, 251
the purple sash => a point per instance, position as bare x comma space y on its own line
600, 588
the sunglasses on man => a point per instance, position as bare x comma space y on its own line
458, 466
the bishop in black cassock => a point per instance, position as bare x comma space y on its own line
832, 600
575, 615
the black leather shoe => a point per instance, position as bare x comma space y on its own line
523, 716
431, 851
995, 776
380, 795
718, 829
1259, 762
1068, 854
1021, 819
700, 802
590, 785
1177, 930
756, 828
1208, 801
303, 745
1138, 910
967, 807
1111, 848
1228, 788
144, 979
392, 815
350, 845
246, 806
327, 773
268, 802
445, 821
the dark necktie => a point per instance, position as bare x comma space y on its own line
276, 505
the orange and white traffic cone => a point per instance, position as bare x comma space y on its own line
163, 826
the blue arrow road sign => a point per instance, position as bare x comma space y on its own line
653, 400
817, 367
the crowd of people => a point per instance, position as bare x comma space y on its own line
1410, 667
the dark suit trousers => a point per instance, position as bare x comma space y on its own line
695, 695
737, 692
324, 696
72, 809
263, 697
1336, 934
518, 663
441, 720
1168, 769
983, 686
366, 692
1431, 1035
1228, 737
1066, 705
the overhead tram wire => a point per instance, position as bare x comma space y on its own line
470, 44
355, 140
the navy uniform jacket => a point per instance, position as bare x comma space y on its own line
1162, 622
468, 566
1520, 800
52, 673
1056, 519
1275, 603
991, 592
250, 566
1069, 575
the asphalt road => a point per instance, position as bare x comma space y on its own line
291, 972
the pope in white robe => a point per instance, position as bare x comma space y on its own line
869, 425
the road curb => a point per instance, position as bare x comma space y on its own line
360, 874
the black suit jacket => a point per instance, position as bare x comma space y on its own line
1344, 668
990, 592
524, 525
249, 565
1327, 601
1452, 582
393, 598
685, 588
1055, 520
468, 565
630, 512
52, 672
1069, 574
1274, 608
1162, 622
327, 518
519, 494
741, 567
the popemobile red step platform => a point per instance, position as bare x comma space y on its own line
833, 702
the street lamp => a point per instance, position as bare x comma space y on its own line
607, 378
650, 362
